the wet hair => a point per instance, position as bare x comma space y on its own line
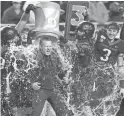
44, 38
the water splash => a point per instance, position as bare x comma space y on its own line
108, 105
16, 75
25, 54
76, 89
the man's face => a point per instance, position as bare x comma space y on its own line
46, 46
84, 32
112, 33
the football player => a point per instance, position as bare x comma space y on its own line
8, 36
85, 31
81, 60
108, 47
109, 51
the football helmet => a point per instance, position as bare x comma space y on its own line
85, 31
8, 34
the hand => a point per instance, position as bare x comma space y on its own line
29, 8
36, 86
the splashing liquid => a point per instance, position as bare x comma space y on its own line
89, 91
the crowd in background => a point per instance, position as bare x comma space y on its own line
11, 12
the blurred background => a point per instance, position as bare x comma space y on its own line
112, 10
98, 12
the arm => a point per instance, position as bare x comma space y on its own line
25, 17
23, 21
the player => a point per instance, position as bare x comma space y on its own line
8, 36
108, 51
83, 44
81, 73
108, 47
85, 31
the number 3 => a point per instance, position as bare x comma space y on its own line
80, 10
106, 55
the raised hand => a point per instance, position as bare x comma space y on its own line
29, 8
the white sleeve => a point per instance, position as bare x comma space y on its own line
32, 16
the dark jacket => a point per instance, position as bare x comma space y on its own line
49, 68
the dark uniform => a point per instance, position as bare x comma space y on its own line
82, 82
106, 56
106, 51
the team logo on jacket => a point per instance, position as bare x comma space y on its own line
102, 38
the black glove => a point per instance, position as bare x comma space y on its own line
29, 8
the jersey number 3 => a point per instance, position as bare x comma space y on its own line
106, 56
